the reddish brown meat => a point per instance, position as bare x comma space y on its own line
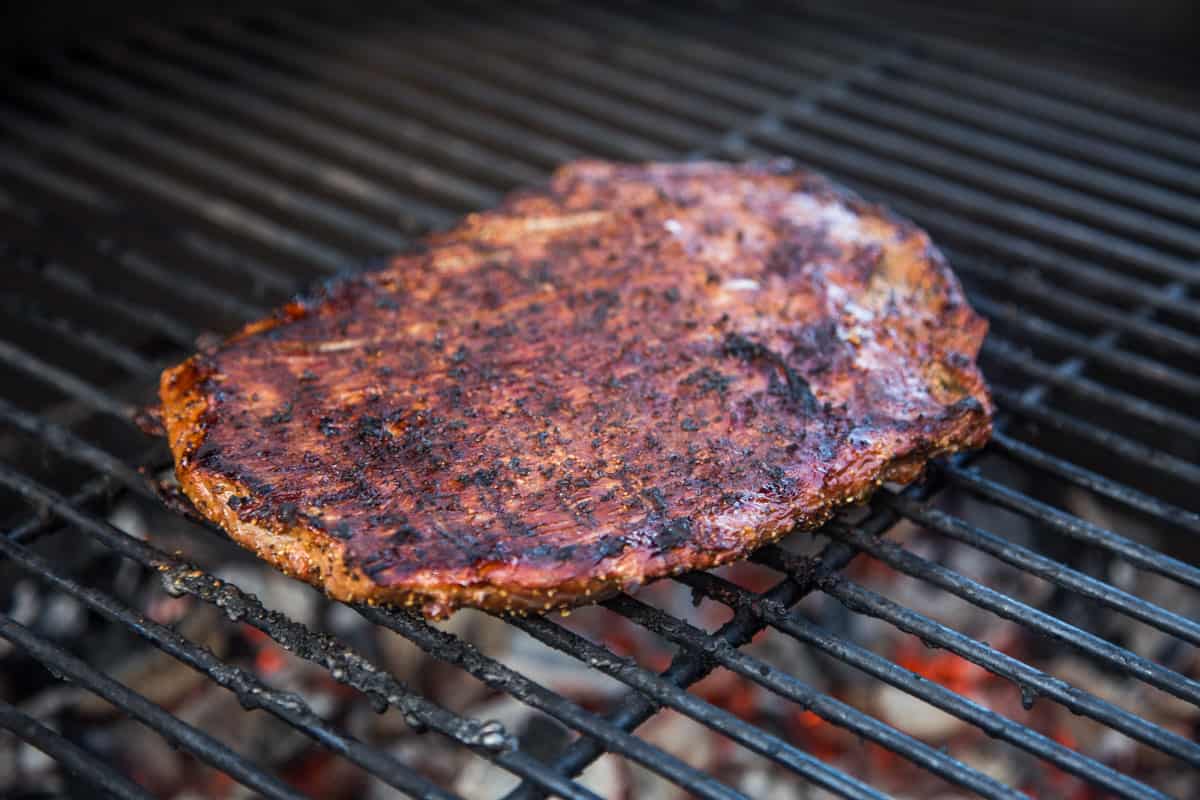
641, 370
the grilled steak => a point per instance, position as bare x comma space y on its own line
637, 371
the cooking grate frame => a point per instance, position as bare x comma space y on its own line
1054, 177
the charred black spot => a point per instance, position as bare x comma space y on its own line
501, 331
327, 427
794, 389
480, 477
689, 424
610, 546
403, 535
542, 272
371, 428
671, 295
673, 533
656, 498
308, 376
287, 513
708, 380
542, 551
284, 414
235, 501
378, 563
605, 301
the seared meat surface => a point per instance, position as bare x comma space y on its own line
636, 371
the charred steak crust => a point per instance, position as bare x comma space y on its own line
637, 371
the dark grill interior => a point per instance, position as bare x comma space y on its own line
182, 179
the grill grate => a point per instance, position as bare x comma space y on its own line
187, 178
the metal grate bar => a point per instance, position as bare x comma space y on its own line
665, 45
18, 163
684, 670
596, 137
1080, 146
1065, 114
1165, 418
943, 99
74, 758
1031, 681
65, 443
86, 339
412, 171
1124, 446
1002, 181
221, 213
1137, 554
251, 692
637, 73
995, 725
1092, 481
1025, 97
96, 200
648, 121
196, 293
64, 381
354, 184
1033, 287
345, 664
918, 183
408, 101
829, 709
453, 650
78, 284
266, 191
1047, 568
1059, 84
629, 672
922, 125
169, 726
1119, 658
717, 93
98, 488
1121, 360
263, 277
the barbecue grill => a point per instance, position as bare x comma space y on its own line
176, 180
